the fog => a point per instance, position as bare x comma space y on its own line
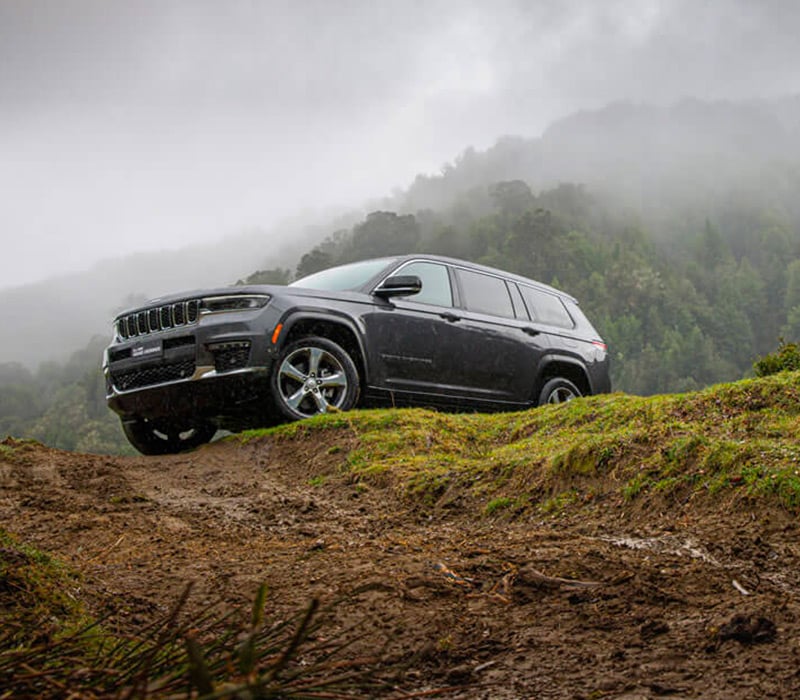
129, 127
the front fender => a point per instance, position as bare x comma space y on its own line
296, 318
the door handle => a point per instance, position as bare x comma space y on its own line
447, 316
530, 331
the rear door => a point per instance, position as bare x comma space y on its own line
552, 317
501, 349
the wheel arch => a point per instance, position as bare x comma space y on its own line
340, 330
566, 367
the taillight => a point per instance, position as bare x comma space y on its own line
600, 345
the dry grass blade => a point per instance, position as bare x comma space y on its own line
181, 655
298, 638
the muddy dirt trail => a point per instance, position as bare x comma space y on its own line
680, 601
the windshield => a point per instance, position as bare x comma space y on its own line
344, 277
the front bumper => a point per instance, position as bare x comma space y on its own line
217, 369
235, 400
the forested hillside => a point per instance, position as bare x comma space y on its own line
678, 313
677, 229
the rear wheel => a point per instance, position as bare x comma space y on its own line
155, 439
558, 390
314, 375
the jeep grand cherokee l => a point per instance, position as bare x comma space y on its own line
411, 330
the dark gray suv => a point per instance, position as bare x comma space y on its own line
413, 330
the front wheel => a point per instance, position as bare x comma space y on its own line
558, 390
312, 376
154, 439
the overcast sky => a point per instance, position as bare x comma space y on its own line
136, 125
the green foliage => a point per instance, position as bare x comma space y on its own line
37, 597
382, 233
62, 406
785, 359
312, 262
498, 504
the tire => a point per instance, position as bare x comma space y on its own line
558, 390
312, 376
153, 439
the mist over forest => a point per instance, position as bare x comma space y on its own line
677, 228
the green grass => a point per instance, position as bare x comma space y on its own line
38, 595
498, 504
732, 439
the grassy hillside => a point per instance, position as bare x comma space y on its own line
735, 441
597, 458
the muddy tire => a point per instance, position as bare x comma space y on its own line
312, 376
558, 390
151, 439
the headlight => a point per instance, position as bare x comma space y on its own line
234, 302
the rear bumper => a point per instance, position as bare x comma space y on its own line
600, 379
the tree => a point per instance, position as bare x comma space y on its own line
382, 233
274, 275
312, 262
512, 198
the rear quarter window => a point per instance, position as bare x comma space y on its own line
547, 308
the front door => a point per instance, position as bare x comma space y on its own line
412, 340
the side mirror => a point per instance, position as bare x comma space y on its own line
399, 286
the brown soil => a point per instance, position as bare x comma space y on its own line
679, 602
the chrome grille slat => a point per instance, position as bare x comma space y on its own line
192, 310
166, 316
158, 318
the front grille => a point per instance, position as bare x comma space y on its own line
230, 356
158, 318
148, 376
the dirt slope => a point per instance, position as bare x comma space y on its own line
684, 603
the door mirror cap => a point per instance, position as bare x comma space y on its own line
399, 286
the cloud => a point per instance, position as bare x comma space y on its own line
129, 126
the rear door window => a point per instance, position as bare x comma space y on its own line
485, 294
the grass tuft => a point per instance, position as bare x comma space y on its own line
50, 648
